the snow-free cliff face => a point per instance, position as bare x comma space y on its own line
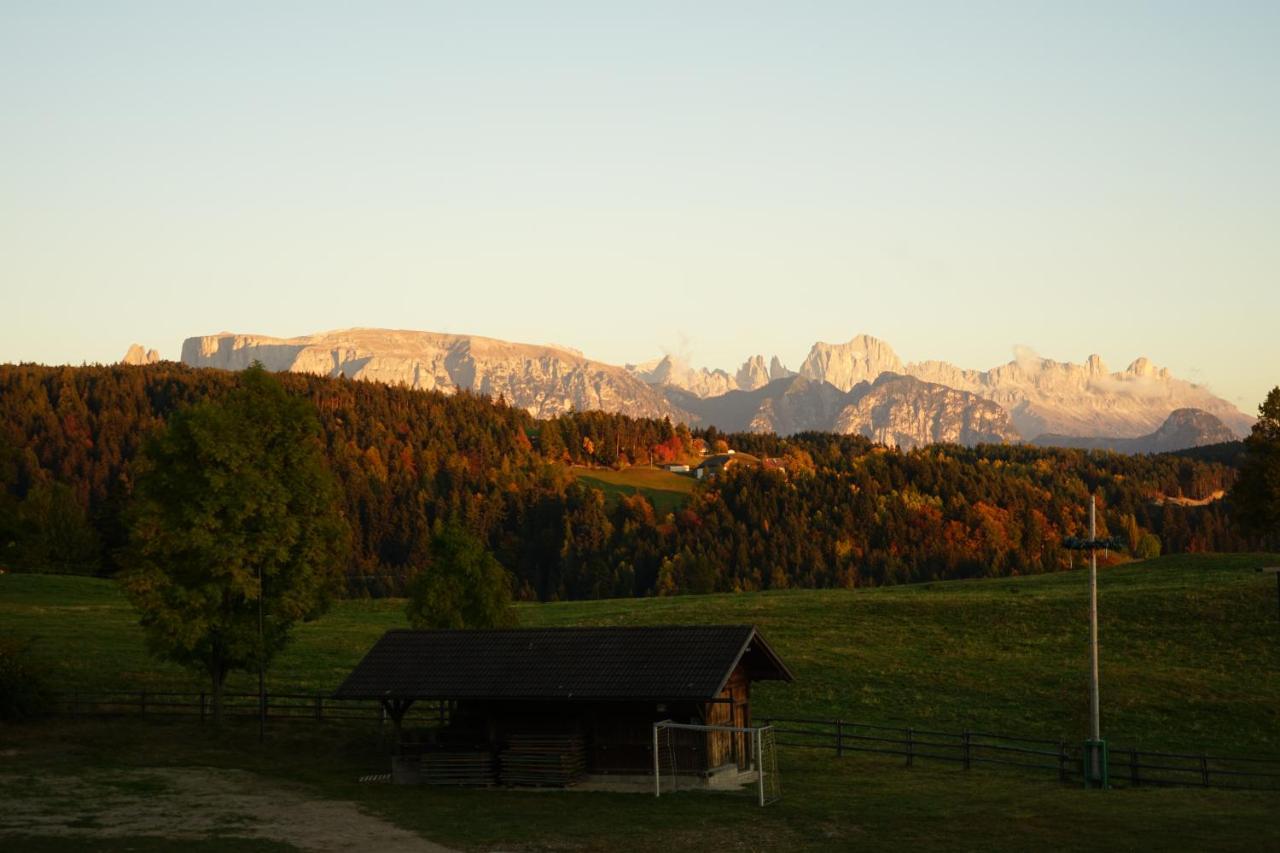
1182, 429
672, 372
896, 410
862, 359
1041, 395
137, 355
544, 380
861, 386
905, 412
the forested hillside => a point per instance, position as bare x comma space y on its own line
844, 512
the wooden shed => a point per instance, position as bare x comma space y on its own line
551, 705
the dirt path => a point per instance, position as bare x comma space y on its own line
194, 803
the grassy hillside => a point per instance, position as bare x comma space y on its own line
665, 490
1190, 648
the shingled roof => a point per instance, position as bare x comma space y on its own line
675, 662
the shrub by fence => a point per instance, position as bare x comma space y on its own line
1126, 766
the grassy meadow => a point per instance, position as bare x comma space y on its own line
666, 491
1190, 651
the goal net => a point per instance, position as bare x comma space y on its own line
692, 757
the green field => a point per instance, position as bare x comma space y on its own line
667, 492
1190, 652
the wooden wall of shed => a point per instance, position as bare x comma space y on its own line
733, 708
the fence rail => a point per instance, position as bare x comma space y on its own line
1126, 766
318, 707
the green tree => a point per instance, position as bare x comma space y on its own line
233, 503
1255, 498
1148, 547
462, 586
54, 535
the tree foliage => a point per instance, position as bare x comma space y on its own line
462, 586
845, 512
1256, 497
233, 503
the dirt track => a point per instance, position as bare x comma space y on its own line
194, 803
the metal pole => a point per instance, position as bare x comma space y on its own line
760, 764
1095, 726
262, 680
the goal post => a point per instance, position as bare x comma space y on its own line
683, 751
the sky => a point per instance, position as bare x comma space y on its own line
713, 180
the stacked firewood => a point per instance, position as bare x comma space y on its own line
543, 759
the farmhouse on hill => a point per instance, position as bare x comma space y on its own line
715, 465
555, 706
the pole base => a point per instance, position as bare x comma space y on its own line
1095, 765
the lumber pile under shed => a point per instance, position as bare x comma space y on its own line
542, 759
457, 767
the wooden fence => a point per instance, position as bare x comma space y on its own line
1126, 766
317, 707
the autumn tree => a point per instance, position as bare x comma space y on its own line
234, 509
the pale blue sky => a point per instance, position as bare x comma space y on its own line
717, 179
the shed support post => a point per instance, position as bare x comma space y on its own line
395, 709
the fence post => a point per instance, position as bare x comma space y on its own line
142, 703
75, 703
1204, 770
966, 749
1134, 775
839, 738
1062, 761
319, 707
911, 747
202, 706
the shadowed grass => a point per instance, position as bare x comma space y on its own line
1190, 648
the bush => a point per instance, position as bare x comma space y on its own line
23, 691
1148, 547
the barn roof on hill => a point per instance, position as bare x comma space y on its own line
675, 662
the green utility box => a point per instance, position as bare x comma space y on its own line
1095, 764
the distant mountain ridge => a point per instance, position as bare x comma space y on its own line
860, 386
544, 380
1183, 429
1042, 396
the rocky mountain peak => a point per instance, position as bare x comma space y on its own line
777, 370
753, 374
861, 359
137, 355
1183, 428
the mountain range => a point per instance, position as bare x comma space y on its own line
860, 386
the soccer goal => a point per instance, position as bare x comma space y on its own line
688, 756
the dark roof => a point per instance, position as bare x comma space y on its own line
673, 662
